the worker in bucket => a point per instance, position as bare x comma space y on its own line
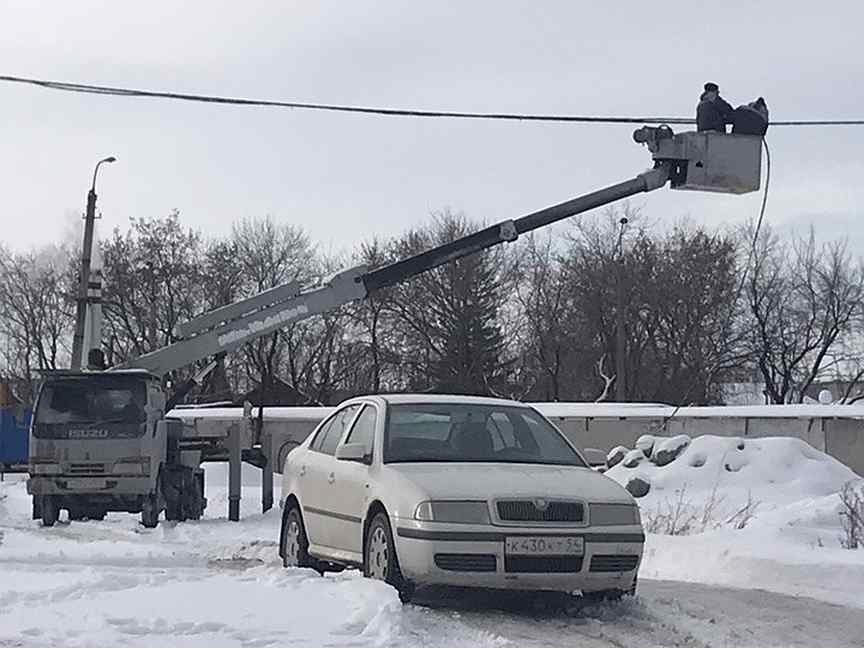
713, 112
751, 119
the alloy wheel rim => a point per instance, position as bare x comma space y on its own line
292, 543
378, 554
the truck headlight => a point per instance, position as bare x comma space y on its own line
613, 514
45, 469
454, 511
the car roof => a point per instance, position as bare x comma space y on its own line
442, 399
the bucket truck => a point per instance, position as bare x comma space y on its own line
101, 440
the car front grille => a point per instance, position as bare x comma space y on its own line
542, 564
466, 562
613, 563
540, 511
79, 469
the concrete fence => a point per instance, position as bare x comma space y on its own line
841, 438
837, 430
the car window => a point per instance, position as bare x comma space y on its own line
329, 436
547, 444
364, 427
321, 434
461, 432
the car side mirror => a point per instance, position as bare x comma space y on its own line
354, 452
596, 458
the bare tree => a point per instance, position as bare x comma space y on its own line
802, 298
678, 288
37, 304
852, 515
267, 255
549, 342
153, 278
608, 381
372, 329
448, 319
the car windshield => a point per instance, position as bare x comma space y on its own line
483, 433
90, 400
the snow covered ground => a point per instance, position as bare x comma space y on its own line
209, 583
216, 583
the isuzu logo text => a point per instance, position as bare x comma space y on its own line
87, 434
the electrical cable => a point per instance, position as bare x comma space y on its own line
86, 88
132, 92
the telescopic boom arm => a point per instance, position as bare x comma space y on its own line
696, 161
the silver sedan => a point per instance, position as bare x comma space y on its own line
454, 490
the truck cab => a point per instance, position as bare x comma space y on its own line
97, 443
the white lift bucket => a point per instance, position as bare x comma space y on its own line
707, 161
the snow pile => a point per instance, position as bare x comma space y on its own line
726, 473
761, 513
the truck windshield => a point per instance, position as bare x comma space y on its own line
458, 432
92, 400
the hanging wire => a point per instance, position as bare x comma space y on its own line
87, 88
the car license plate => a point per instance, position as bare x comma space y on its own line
85, 483
544, 545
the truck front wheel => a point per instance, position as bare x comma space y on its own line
150, 510
50, 510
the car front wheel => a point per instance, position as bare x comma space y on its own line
379, 559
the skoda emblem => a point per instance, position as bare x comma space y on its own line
541, 504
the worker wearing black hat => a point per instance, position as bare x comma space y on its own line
713, 113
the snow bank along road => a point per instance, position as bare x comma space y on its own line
216, 583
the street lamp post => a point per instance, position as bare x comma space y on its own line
84, 278
620, 339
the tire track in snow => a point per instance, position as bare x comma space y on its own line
664, 614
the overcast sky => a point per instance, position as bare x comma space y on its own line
347, 177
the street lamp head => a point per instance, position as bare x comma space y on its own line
110, 158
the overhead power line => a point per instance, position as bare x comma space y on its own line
393, 112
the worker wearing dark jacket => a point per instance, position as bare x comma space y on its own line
751, 119
713, 113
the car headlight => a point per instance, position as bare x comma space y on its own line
45, 469
454, 511
613, 514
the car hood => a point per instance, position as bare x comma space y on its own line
487, 480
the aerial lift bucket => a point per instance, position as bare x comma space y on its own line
706, 161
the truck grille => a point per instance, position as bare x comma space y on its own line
613, 563
542, 564
540, 511
80, 469
467, 562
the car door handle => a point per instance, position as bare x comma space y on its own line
302, 470
331, 478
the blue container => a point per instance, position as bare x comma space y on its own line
14, 436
